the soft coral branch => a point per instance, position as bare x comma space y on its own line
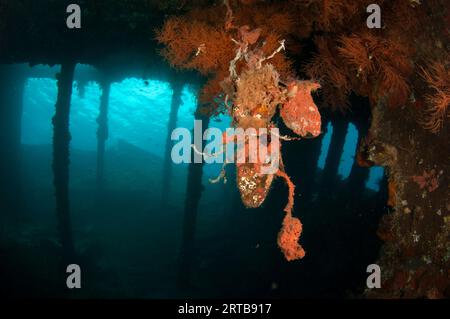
292, 227
437, 77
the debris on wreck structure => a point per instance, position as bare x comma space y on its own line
428, 180
416, 231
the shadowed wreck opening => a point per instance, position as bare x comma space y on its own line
88, 175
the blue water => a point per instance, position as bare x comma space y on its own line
325, 146
221, 122
348, 157
375, 176
138, 113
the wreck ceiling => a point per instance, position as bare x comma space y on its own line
35, 32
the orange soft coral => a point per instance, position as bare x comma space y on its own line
292, 227
191, 44
382, 61
437, 77
334, 13
332, 75
300, 113
204, 39
288, 238
356, 52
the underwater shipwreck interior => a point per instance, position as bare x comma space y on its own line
357, 91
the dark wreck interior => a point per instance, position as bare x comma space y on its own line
141, 226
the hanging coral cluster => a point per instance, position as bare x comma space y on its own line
253, 79
246, 50
256, 94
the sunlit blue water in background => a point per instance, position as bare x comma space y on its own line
138, 114
348, 157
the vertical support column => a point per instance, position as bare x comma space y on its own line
61, 141
334, 155
361, 120
177, 88
358, 175
12, 83
102, 134
312, 157
193, 194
